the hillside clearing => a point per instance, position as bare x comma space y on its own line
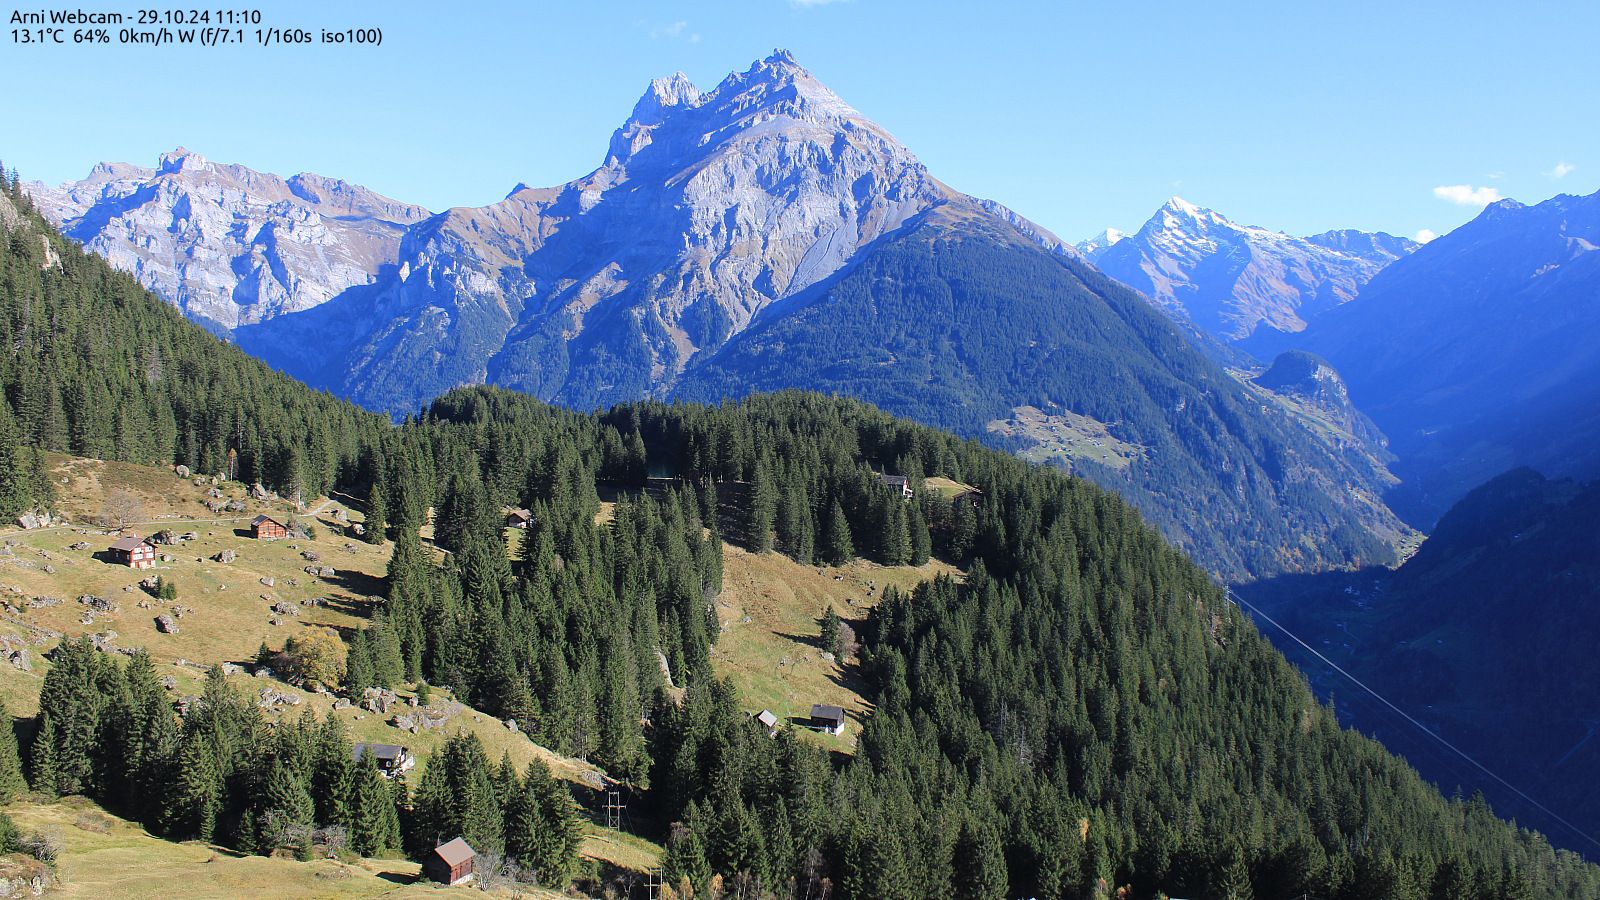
770, 609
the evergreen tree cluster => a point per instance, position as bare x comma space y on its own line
528, 818
217, 772
220, 773
1085, 710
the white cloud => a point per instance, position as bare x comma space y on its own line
1425, 236
1562, 170
678, 30
1467, 195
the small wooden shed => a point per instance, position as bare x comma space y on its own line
134, 551
518, 518
829, 719
267, 528
450, 862
392, 759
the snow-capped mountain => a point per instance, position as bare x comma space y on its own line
1231, 279
1100, 242
227, 244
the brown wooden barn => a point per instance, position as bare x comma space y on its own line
518, 518
450, 862
134, 551
267, 528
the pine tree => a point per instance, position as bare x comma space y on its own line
1235, 881
763, 508
42, 771
12, 783
197, 797
837, 548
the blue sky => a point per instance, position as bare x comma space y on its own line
1295, 116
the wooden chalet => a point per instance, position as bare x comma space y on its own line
828, 719
450, 862
266, 528
134, 551
392, 759
897, 483
518, 518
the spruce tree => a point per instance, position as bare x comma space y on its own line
1234, 883
981, 870
763, 508
42, 767
288, 812
12, 783
197, 795
837, 548
921, 539
375, 529
370, 815
830, 630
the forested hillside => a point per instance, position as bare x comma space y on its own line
1084, 710
964, 327
1485, 635
95, 366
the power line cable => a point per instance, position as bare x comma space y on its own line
1239, 601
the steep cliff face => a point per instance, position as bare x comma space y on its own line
1232, 279
227, 244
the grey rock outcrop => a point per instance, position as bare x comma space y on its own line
227, 244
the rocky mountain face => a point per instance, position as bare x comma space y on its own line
709, 209
1308, 380
1478, 352
1231, 279
229, 245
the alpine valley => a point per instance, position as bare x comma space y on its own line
758, 516
756, 236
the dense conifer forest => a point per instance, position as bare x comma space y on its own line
1082, 710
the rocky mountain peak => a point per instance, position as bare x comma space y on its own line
180, 160
675, 114
227, 244
1231, 279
